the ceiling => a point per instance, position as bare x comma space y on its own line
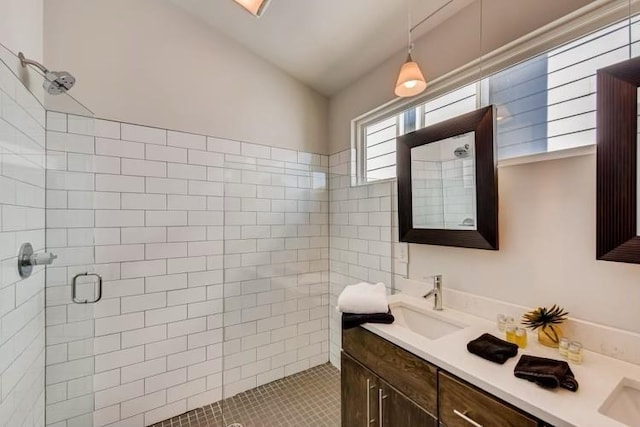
326, 44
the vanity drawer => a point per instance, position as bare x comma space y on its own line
462, 405
409, 374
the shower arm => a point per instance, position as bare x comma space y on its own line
24, 61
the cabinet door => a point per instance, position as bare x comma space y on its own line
359, 390
396, 410
462, 405
406, 372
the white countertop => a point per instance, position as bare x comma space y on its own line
597, 376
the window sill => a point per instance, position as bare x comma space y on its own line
379, 181
585, 150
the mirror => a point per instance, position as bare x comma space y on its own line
617, 185
443, 184
447, 183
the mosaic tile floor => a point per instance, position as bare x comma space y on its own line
309, 398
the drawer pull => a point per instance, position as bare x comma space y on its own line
381, 397
463, 415
369, 388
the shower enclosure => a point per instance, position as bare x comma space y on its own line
188, 269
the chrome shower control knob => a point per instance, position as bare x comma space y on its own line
43, 259
27, 259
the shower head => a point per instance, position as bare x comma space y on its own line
55, 82
462, 152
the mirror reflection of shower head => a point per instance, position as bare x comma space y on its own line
462, 152
55, 82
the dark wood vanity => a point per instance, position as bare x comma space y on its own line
384, 385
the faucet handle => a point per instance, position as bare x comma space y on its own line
42, 259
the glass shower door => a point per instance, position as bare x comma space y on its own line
73, 281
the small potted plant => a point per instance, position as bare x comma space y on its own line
547, 322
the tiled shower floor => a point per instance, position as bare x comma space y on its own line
309, 398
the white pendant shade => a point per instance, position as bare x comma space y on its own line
410, 80
255, 7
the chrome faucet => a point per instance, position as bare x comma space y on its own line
436, 292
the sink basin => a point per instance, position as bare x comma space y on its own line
424, 322
623, 404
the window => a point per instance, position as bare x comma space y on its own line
380, 137
545, 103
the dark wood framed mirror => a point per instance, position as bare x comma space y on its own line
617, 163
447, 183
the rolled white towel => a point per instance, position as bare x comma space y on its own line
363, 298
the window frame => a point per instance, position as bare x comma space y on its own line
580, 23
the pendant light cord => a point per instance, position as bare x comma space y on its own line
409, 48
422, 21
428, 16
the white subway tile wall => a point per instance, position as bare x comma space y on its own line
276, 265
459, 194
181, 222
22, 206
427, 193
363, 236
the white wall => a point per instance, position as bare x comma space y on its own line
445, 48
547, 248
148, 62
21, 26
21, 30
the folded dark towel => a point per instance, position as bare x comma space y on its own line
493, 349
350, 320
548, 373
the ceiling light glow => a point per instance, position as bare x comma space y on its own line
255, 7
410, 79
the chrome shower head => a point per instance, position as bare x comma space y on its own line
462, 152
55, 82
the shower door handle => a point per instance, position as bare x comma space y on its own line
74, 286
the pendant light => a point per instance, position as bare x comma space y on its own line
255, 7
411, 81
